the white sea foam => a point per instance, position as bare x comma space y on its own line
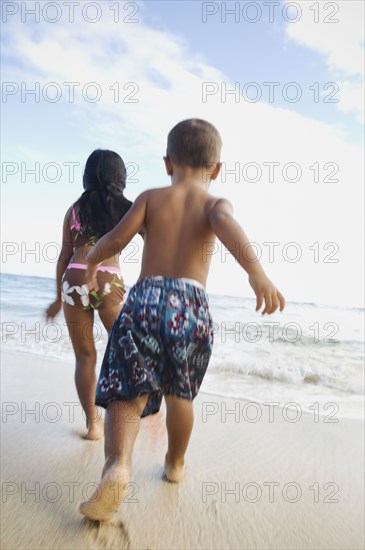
307, 354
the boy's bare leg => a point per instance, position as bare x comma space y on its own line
179, 423
122, 422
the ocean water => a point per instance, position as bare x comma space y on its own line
308, 358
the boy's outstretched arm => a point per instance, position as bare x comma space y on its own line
231, 234
118, 238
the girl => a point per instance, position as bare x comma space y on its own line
96, 212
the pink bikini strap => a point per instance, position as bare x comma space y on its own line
76, 225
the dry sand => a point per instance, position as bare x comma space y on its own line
47, 468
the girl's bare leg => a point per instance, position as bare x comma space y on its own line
122, 422
179, 423
108, 316
80, 326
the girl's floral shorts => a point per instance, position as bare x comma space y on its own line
160, 343
76, 293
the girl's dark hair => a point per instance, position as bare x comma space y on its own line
102, 204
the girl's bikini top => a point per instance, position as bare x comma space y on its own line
79, 238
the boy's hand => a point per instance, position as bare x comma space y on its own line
265, 290
90, 277
53, 309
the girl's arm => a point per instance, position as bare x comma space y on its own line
62, 263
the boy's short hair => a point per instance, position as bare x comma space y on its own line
194, 142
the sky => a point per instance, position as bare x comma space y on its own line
282, 81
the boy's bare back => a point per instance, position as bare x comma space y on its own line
177, 228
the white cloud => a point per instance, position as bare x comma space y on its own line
336, 30
170, 81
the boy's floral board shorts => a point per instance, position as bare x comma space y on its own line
160, 343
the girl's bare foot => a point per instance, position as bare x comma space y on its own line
174, 472
95, 429
105, 502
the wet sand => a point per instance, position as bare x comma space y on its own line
263, 485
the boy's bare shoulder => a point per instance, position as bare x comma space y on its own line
156, 190
149, 194
216, 204
212, 204
223, 204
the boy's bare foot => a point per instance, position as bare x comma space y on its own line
105, 502
174, 472
95, 429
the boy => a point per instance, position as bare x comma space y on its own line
162, 340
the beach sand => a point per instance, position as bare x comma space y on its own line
314, 471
